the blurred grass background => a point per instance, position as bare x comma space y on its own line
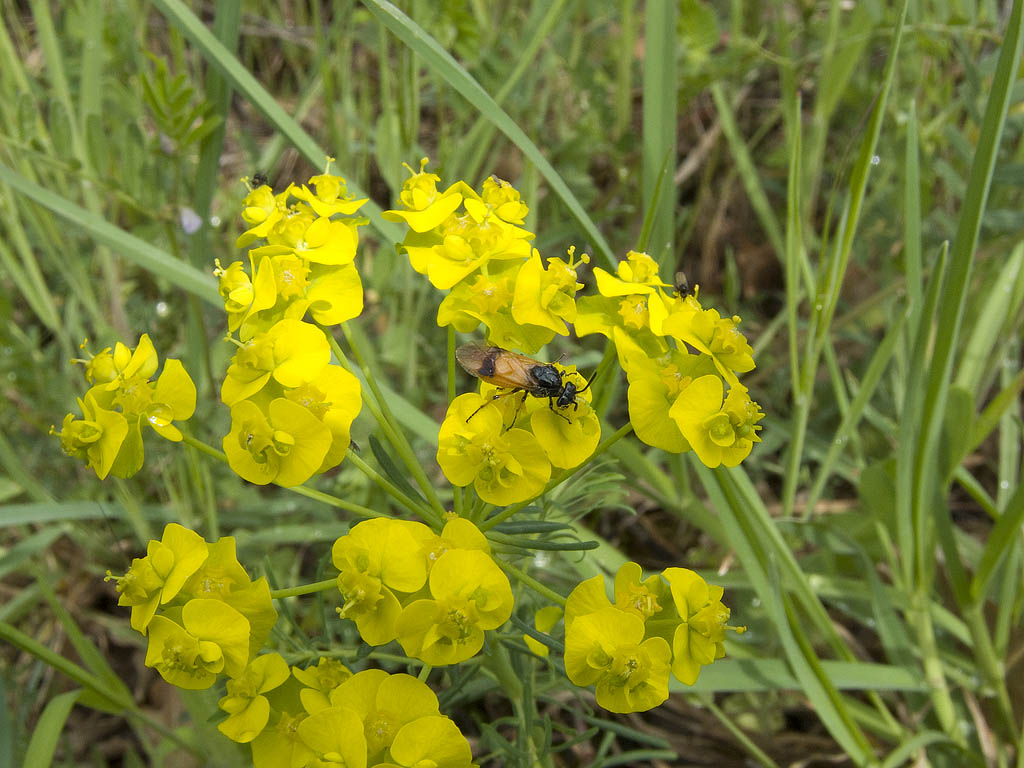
846, 177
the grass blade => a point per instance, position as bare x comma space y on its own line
659, 129
47, 732
247, 85
453, 73
143, 254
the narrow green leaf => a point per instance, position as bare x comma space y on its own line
873, 374
659, 128
48, 730
143, 254
392, 471
962, 252
7, 735
905, 752
440, 61
16, 556
995, 308
247, 85
729, 674
1003, 535
959, 426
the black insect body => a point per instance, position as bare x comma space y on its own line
519, 373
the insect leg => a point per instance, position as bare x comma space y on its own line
551, 405
488, 402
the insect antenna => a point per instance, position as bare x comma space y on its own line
589, 381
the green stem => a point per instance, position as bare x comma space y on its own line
559, 478
992, 668
532, 583
738, 733
392, 490
425, 673
458, 501
390, 427
202, 447
304, 589
919, 617
334, 501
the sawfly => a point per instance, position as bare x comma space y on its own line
519, 373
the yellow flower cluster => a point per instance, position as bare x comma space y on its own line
202, 613
325, 715
120, 400
291, 409
679, 359
674, 622
435, 594
473, 243
206, 620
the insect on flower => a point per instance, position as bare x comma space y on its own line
519, 373
682, 285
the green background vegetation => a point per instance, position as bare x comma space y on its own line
846, 177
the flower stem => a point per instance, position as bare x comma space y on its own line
388, 424
458, 502
392, 490
532, 583
559, 478
304, 589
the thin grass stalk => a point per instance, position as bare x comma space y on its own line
659, 127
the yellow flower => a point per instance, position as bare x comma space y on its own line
287, 445
607, 649
248, 709
376, 559
546, 297
503, 199
263, 210
698, 638
292, 352
157, 578
720, 433
96, 439
505, 467
710, 333
569, 436
470, 594
334, 737
637, 274
425, 207
212, 638
655, 384
331, 195
430, 742
385, 704
222, 577
334, 397
319, 683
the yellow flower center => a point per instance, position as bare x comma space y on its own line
640, 599
674, 380
380, 729
489, 295
720, 430
633, 311
134, 394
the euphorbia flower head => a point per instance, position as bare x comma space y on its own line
504, 466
